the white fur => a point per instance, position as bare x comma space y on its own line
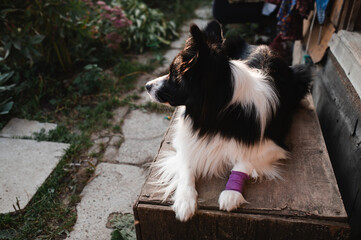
207, 157
251, 86
230, 200
156, 84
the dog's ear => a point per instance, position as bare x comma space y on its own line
196, 34
214, 31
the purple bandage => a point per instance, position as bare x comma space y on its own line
236, 181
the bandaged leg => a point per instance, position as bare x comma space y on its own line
231, 198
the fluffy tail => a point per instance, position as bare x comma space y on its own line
302, 81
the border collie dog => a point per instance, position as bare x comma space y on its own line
238, 103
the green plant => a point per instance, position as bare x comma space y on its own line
57, 25
108, 22
89, 81
5, 100
123, 225
59, 134
149, 29
117, 128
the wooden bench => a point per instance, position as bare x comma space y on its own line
306, 205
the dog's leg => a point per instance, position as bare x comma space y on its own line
185, 196
232, 199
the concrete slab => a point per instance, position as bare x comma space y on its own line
179, 43
24, 128
142, 126
114, 189
25, 164
119, 114
204, 12
143, 134
135, 151
201, 23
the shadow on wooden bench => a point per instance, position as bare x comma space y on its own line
306, 205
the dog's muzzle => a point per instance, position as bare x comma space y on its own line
154, 85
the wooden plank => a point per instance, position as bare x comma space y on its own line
355, 9
309, 188
346, 48
318, 49
159, 223
346, 10
336, 12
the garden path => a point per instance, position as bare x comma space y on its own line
118, 179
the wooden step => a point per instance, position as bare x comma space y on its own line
305, 205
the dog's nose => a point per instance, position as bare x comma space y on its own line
148, 87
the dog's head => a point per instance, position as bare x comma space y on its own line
194, 74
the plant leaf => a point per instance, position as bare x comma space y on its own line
6, 76
5, 109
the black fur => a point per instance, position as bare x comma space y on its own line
200, 78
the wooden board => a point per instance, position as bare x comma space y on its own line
157, 222
317, 49
346, 48
336, 11
307, 195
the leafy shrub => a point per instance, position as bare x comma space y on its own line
149, 29
59, 33
5, 100
49, 31
89, 81
108, 22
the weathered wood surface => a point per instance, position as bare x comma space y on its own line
158, 222
307, 194
346, 48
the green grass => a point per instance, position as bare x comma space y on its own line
117, 129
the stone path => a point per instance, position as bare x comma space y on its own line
119, 178
25, 163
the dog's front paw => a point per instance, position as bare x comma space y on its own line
185, 205
230, 200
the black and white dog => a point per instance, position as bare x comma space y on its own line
238, 103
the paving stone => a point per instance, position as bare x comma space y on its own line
103, 140
201, 23
114, 141
135, 151
119, 114
24, 128
110, 154
25, 164
204, 12
115, 189
179, 43
94, 149
143, 133
141, 126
